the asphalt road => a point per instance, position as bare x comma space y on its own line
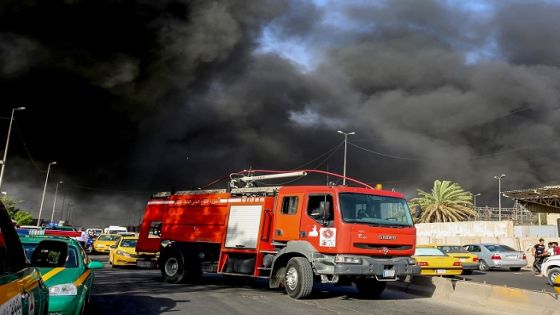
524, 279
140, 291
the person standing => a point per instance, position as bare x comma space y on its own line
539, 251
556, 248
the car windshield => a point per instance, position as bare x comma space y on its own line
128, 243
500, 248
374, 210
423, 251
108, 237
452, 249
71, 260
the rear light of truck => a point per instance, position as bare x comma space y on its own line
457, 263
496, 257
422, 263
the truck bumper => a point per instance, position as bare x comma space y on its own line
382, 268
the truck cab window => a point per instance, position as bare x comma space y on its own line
320, 208
289, 205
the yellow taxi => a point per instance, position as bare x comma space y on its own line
469, 261
123, 253
434, 262
103, 243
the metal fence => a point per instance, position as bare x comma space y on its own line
518, 214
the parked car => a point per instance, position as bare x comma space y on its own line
434, 262
497, 256
123, 253
550, 268
68, 276
469, 261
103, 243
21, 289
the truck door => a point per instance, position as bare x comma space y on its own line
287, 214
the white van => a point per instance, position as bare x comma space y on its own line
115, 229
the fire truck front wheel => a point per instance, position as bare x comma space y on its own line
298, 281
172, 268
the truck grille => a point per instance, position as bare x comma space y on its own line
381, 246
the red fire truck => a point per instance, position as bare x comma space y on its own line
291, 235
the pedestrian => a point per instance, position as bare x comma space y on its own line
556, 249
539, 252
550, 249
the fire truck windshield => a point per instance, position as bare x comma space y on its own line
374, 210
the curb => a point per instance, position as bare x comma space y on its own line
512, 300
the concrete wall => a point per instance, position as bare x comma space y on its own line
535, 231
491, 229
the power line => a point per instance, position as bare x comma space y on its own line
336, 147
26, 149
383, 154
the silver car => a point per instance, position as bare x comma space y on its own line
497, 256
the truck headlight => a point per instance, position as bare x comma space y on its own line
342, 259
63, 289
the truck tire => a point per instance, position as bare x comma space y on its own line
173, 266
369, 288
298, 281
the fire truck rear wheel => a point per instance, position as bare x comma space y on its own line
172, 267
369, 288
298, 281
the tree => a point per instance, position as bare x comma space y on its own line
447, 202
20, 216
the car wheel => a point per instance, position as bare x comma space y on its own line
515, 268
483, 266
298, 281
552, 275
369, 288
467, 272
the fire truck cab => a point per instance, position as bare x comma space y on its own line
291, 235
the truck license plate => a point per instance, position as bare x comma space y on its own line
145, 264
388, 273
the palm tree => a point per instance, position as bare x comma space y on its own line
447, 202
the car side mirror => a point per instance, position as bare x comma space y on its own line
50, 253
95, 265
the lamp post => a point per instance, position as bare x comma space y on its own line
54, 203
346, 134
7, 143
499, 178
44, 190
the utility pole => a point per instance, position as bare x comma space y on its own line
54, 203
7, 144
499, 178
44, 190
346, 134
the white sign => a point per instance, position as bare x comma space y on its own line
327, 237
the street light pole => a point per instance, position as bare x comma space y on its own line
44, 190
54, 203
346, 134
7, 143
499, 178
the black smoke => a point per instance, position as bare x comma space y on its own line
132, 97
